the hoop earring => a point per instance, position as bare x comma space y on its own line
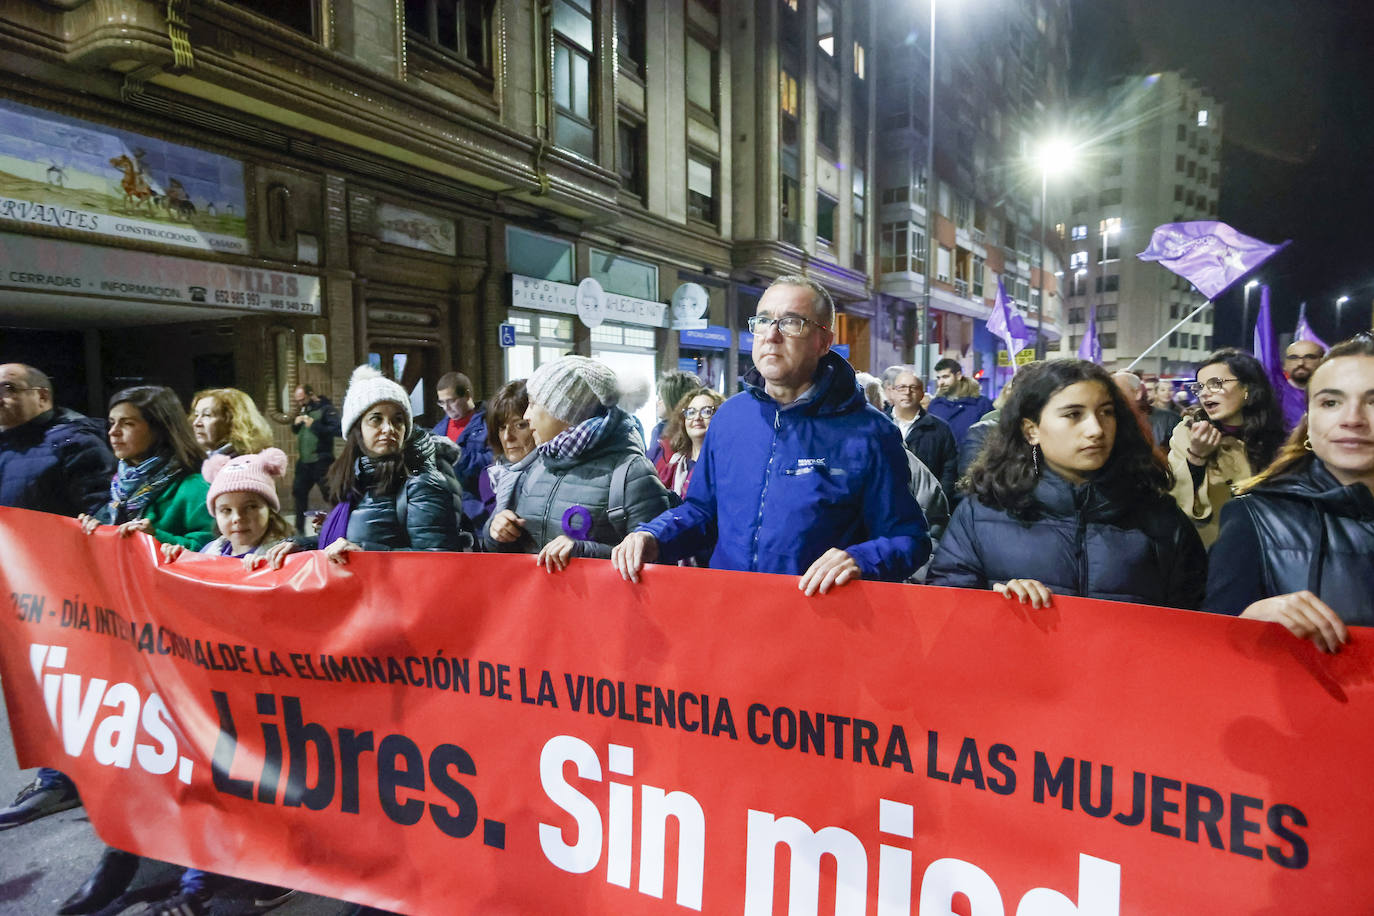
1307, 443
1035, 459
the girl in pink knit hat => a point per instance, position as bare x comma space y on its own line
244, 504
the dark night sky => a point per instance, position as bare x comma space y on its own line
1296, 82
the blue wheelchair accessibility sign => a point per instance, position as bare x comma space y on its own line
507, 335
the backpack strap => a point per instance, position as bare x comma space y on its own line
616, 513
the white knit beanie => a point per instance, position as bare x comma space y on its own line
244, 474
573, 388
368, 387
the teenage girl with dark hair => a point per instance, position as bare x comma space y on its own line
1069, 497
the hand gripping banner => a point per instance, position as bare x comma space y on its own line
468, 734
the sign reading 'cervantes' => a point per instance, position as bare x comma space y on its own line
462, 734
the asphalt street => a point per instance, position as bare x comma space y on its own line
42, 862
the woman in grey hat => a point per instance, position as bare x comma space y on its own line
587, 482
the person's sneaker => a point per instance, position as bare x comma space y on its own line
37, 800
195, 903
269, 898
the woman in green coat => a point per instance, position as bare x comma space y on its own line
157, 488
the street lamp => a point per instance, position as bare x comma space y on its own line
923, 319
1245, 309
1339, 304
1057, 155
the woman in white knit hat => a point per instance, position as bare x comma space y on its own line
587, 482
389, 492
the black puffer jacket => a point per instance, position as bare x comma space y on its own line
931, 440
1082, 543
58, 462
428, 506
548, 487
1308, 532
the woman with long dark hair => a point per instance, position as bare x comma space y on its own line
1236, 430
1308, 518
388, 490
1069, 497
156, 488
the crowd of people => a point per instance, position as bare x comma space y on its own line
1075, 482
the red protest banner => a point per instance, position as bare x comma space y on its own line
464, 733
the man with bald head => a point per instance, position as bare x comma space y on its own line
51, 460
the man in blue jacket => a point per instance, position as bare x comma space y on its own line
798, 474
51, 460
465, 422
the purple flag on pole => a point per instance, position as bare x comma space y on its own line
1208, 254
1304, 330
1006, 323
1292, 400
1091, 348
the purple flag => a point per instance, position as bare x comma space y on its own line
1304, 330
1091, 348
1208, 254
1006, 323
1293, 400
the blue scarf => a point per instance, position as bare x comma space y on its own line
134, 486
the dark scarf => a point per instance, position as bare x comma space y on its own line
134, 486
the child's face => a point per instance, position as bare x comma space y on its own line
242, 518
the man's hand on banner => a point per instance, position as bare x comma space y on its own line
1025, 590
630, 555
338, 551
834, 567
556, 553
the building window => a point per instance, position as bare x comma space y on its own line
1192, 169
1112, 168
1078, 260
460, 27
1109, 198
1108, 340
828, 127
1078, 285
1197, 341
826, 27
860, 66
299, 15
979, 266
1081, 204
1180, 162
629, 35
791, 210
1202, 117
1106, 313
1074, 341
701, 76
943, 261
1076, 315
702, 183
859, 191
573, 77
788, 101
1178, 192
825, 218
893, 253
630, 155
1107, 284
1079, 233
963, 211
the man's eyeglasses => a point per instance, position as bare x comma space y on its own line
706, 413
789, 325
1303, 358
1215, 385
8, 390
907, 389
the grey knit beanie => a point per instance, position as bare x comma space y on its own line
573, 388
368, 387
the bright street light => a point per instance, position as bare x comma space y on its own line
1056, 156
1251, 285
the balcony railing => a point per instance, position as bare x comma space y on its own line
961, 287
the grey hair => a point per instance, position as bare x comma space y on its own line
871, 387
822, 306
890, 374
1132, 381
